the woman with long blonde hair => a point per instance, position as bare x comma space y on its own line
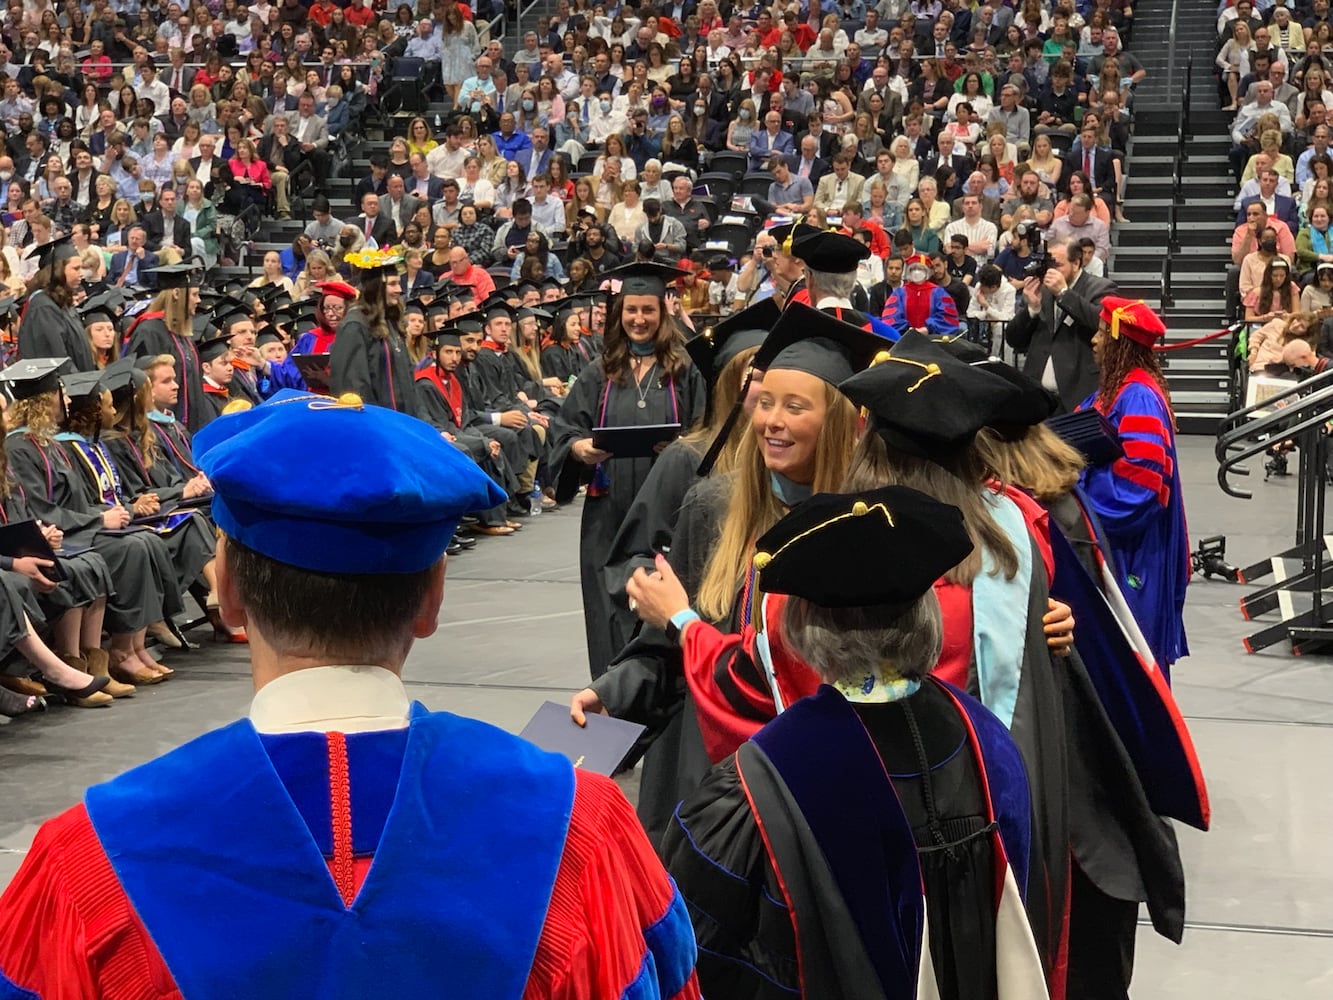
167, 328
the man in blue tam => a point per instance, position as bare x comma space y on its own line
341, 841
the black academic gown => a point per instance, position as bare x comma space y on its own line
144, 582
50, 331
173, 461
738, 879
191, 543
520, 446
213, 400
592, 403
86, 577
646, 681
377, 370
440, 413
151, 338
563, 362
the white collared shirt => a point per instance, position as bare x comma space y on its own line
351, 699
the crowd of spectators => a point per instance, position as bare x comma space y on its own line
925, 126
1274, 70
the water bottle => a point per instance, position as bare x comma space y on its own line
535, 501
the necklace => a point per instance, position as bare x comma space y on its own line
640, 381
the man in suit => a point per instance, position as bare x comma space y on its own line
211, 171
424, 185
397, 205
312, 134
536, 158
792, 121
1055, 323
933, 47
178, 77
134, 267
770, 141
1087, 156
808, 163
838, 188
948, 152
278, 100
165, 228
879, 84
373, 224
1275, 204
174, 121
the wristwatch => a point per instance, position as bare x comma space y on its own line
678, 621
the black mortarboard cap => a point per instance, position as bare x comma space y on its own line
818, 343
1035, 402
176, 276
530, 312
893, 543
268, 335
228, 310
714, 349
415, 306
828, 251
26, 379
83, 385
55, 250
525, 286
448, 337
211, 350
121, 374
99, 309
468, 324
495, 306
644, 277
552, 283
927, 402
275, 297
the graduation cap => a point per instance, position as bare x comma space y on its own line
54, 251
268, 334
468, 324
99, 309
415, 306
1035, 402
83, 386
123, 373
275, 298
494, 307
448, 337
835, 253
927, 402
893, 543
532, 312
34, 376
644, 277
211, 350
176, 276
1134, 319
228, 311
817, 343
525, 286
715, 348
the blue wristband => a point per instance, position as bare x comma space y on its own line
680, 618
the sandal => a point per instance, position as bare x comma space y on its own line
128, 669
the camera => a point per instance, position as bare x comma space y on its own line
1041, 261
1210, 559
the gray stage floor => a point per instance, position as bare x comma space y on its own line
511, 636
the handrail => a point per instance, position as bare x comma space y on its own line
1237, 426
1185, 102
1172, 235
1165, 283
1301, 418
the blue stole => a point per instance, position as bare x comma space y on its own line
224, 872
999, 614
110, 491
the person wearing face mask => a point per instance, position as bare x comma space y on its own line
742, 128
659, 112
604, 119
704, 129
919, 304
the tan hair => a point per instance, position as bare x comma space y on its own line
959, 480
754, 508
35, 414
726, 391
1041, 461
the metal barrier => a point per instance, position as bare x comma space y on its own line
1165, 283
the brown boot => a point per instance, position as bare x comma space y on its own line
126, 668
24, 686
98, 661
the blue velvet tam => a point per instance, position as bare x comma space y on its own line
333, 486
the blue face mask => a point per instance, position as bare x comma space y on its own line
146, 197
529, 104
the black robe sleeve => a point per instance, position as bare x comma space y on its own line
578, 415
432, 407
50, 499
349, 360
134, 478
494, 382
48, 331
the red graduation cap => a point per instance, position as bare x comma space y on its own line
1132, 319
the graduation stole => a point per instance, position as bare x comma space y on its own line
160, 422
99, 464
497, 348
450, 388
143, 317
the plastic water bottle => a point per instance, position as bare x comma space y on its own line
535, 501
